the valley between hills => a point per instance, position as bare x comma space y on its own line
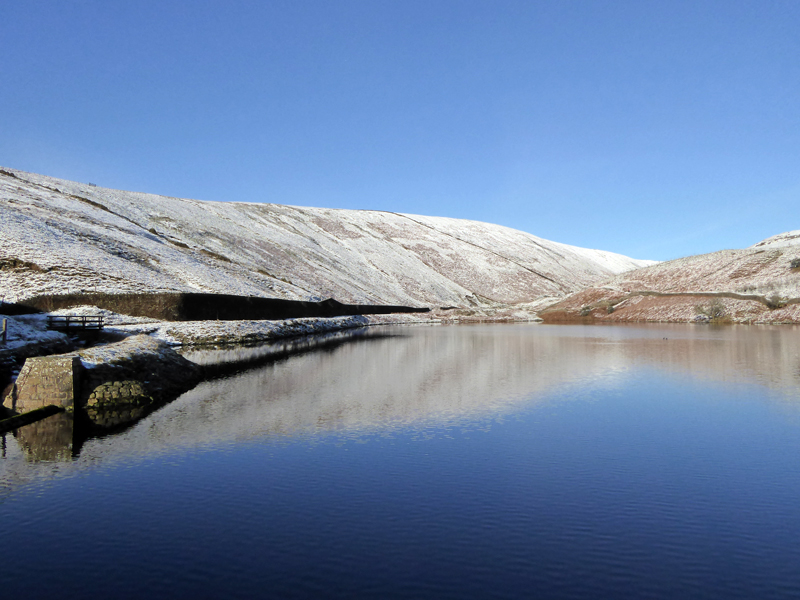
60, 237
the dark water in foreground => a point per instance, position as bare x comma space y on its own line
452, 462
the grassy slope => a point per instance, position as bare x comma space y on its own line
753, 285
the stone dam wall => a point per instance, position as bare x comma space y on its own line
45, 381
110, 385
196, 306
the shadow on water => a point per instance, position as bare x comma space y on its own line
226, 360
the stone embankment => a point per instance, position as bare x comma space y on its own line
195, 306
121, 382
110, 384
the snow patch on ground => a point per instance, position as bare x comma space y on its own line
135, 347
29, 329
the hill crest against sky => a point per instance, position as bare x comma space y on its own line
653, 129
66, 237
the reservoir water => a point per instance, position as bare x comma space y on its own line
490, 461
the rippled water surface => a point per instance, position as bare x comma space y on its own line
514, 461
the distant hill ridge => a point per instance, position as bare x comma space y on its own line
759, 284
63, 237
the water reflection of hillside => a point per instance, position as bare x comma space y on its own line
434, 375
767, 355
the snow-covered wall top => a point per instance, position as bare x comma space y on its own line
59, 236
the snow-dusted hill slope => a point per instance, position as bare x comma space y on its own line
790, 238
756, 284
59, 236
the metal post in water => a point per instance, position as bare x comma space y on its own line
5, 330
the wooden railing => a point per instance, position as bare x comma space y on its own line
75, 323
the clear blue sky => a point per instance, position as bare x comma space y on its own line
655, 129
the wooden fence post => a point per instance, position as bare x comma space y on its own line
5, 330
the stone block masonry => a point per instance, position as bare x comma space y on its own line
116, 402
120, 382
44, 381
119, 393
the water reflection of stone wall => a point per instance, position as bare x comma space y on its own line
444, 373
449, 374
50, 439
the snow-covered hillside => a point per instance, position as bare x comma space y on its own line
782, 240
759, 284
64, 237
